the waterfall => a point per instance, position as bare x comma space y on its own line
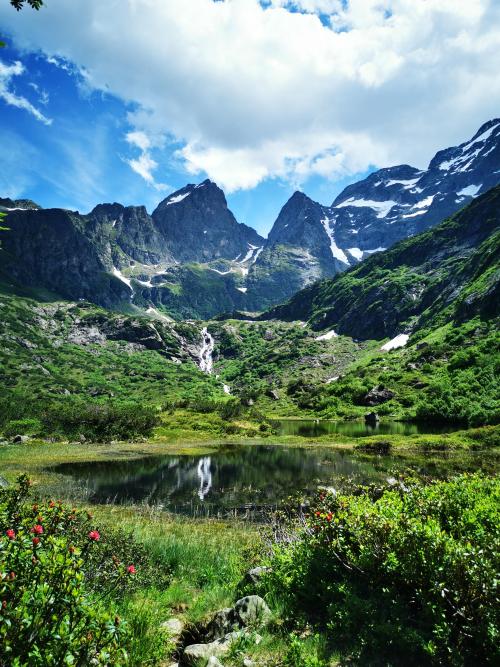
207, 347
206, 362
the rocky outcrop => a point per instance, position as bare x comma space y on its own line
377, 395
214, 639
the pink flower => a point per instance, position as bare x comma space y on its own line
94, 535
11, 534
131, 569
38, 529
35, 540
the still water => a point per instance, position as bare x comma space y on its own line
236, 480
309, 428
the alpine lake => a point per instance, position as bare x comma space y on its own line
248, 480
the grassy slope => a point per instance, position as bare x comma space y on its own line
452, 369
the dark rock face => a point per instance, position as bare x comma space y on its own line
200, 227
7, 204
133, 231
49, 248
377, 395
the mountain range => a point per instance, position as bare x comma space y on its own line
192, 259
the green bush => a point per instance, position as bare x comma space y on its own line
403, 577
100, 421
23, 427
60, 578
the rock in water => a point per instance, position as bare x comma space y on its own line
372, 418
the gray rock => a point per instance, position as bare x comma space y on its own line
378, 395
198, 655
272, 393
252, 611
20, 438
222, 623
173, 627
255, 575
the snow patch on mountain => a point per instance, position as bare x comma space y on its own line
382, 207
395, 343
328, 336
470, 190
336, 251
357, 253
116, 272
177, 198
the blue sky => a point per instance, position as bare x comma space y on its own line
262, 97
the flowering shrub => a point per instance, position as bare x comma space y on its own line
406, 576
57, 584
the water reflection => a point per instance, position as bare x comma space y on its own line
236, 479
205, 475
313, 428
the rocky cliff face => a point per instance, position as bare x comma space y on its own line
200, 227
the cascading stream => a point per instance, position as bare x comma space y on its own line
207, 348
206, 362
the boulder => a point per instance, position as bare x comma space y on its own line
254, 576
222, 623
20, 438
272, 393
173, 627
199, 655
252, 611
377, 395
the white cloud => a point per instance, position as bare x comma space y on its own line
144, 165
7, 73
251, 91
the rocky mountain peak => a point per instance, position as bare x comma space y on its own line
200, 227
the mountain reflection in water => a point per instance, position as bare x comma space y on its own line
235, 478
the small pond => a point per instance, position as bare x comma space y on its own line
311, 428
235, 480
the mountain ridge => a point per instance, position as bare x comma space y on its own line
193, 259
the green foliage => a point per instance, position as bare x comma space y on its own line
51, 614
23, 427
406, 576
299, 654
18, 4
100, 421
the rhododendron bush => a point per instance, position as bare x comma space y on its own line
59, 578
405, 575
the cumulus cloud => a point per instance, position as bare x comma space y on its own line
252, 90
7, 73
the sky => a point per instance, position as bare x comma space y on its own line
129, 100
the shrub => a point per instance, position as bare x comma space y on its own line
100, 421
58, 582
403, 577
23, 427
